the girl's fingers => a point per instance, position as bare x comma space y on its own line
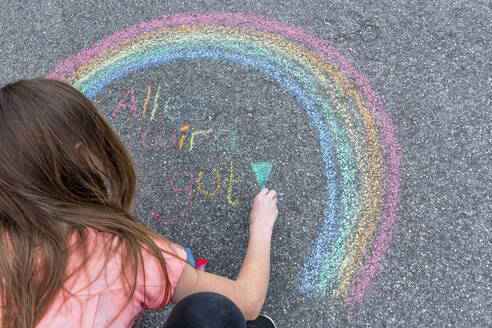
263, 191
272, 194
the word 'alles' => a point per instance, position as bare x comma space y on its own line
174, 108
188, 190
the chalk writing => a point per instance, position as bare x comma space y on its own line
218, 140
197, 133
203, 191
132, 106
183, 129
231, 181
149, 88
159, 141
174, 107
188, 190
156, 99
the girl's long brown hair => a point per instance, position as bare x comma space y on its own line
62, 170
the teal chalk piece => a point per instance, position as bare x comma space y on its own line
262, 172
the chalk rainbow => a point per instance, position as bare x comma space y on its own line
360, 152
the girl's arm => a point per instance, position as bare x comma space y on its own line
248, 291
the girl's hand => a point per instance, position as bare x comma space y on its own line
264, 212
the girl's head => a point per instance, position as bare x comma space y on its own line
62, 170
55, 145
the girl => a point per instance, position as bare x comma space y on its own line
70, 251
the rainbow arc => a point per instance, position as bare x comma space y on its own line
356, 136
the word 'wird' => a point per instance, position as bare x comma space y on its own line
224, 139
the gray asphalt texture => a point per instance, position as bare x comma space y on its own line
431, 63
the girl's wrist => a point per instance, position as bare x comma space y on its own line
260, 232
